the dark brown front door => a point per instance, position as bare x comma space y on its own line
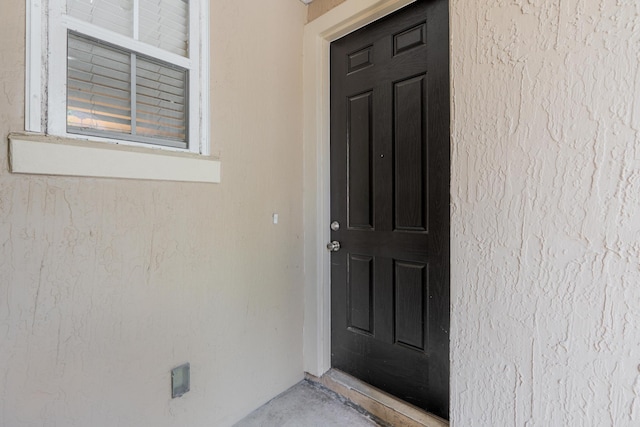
390, 197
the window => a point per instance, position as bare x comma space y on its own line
133, 73
125, 71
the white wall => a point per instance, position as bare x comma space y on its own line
546, 213
105, 285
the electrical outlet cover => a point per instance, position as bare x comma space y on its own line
180, 380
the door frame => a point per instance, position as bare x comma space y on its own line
318, 35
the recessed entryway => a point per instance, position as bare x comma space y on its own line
318, 216
390, 204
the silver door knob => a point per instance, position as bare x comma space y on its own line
333, 246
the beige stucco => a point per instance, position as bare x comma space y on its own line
545, 213
107, 284
320, 7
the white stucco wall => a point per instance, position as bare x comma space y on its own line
545, 213
105, 284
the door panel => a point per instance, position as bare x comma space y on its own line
411, 308
359, 148
390, 194
360, 297
410, 155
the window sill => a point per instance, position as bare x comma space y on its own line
48, 155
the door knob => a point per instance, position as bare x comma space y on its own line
333, 246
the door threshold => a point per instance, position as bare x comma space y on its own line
381, 405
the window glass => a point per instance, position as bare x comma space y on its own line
161, 101
165, 24
105, 99
98, 87
114, 15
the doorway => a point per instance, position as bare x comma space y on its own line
390, 204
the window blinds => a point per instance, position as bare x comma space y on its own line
116, 92
114, 15
98, 87
165, 24
161, 101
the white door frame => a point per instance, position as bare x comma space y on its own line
318, 34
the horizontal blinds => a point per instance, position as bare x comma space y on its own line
161, 102
100, 88
161, 23
114, 15
165, 24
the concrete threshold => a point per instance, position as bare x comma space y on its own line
381, 405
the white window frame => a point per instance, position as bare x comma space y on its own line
45, 94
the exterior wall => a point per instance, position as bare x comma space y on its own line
319, 7
105, 285
545, 213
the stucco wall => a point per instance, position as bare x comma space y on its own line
319, 7
105, 285
545, 213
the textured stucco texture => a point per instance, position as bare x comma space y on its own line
320, 7
107, 284
545, 233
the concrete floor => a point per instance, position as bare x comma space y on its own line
307, 405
